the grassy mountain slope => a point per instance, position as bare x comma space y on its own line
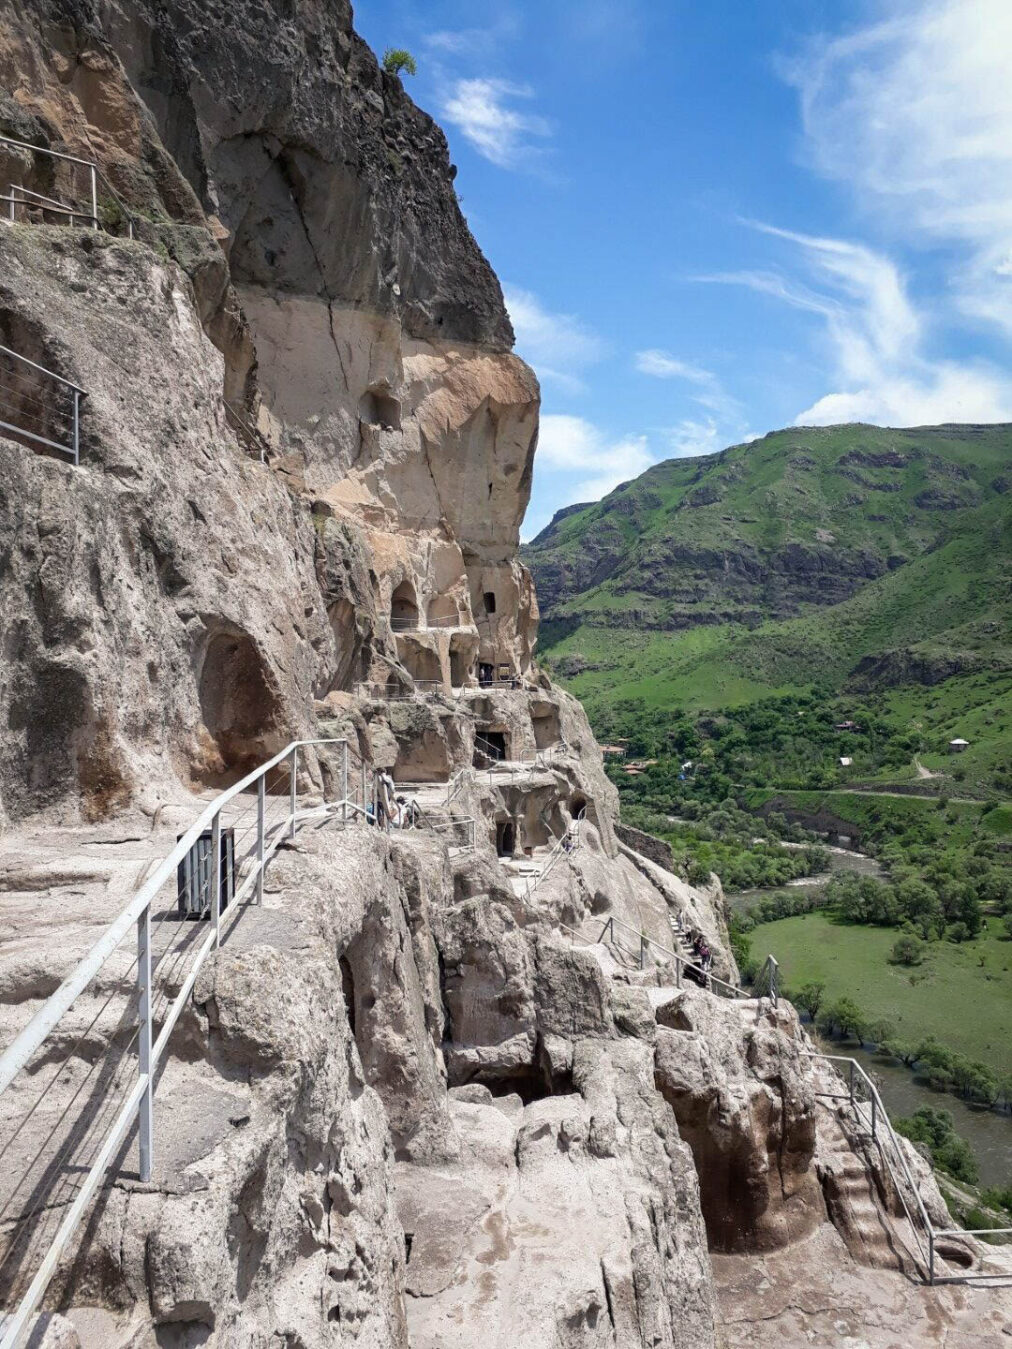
850, 555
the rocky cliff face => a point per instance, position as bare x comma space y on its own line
423, 1097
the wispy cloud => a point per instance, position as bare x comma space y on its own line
707, 389
559, 346
484, 111
665, 366
689, 438
914, 113
475, 43
593, 462
877, 340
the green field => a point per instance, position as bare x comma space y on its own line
962, 994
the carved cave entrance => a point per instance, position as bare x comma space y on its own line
238, 706
404, 607
505, 838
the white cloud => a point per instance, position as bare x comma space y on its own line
708, 391
663, 365
689, 438
481, 109
915, 113
559, 346
594, 461
877, 340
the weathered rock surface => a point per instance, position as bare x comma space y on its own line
423, 1096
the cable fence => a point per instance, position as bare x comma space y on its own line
85, 194
38, 407
80, 1077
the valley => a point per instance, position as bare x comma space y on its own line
806, 643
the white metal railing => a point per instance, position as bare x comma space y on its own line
398, 692
872, 1116
567, 842
36, 412
23, 197
459, 830
457, 784
255, 816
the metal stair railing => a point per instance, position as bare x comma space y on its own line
167, 952
95, 177
875, 1120
571, 836
457, 783
420, 688
30, 411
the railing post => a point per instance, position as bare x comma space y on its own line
852, 1084
94, 197
216, 878
344, 782
261, 810
931, 1255
678, 970
643, 951
77, 428
145, 1113
873, 1119
293, 790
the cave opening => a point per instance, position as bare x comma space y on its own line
377, 407
505, 838
238, 704
404, 607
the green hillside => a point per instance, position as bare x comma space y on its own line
851, 557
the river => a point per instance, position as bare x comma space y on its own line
840, 859
988, 1132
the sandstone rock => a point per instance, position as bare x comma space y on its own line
743, 1102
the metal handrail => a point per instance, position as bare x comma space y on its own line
77, 393
681, 964
137, 915
17, 197
879, 1116
96, 175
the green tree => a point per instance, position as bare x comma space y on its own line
907, 950
396, 60
809, 998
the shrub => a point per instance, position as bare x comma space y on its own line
396, 60
949, 1152
907, 950
809, 998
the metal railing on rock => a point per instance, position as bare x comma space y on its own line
216, 864
21, 198
252, 441
39, 406
866, 1105
385, 692
457, 784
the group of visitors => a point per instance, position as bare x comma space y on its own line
389, 810
702, 955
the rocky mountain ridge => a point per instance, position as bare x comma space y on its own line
814, 554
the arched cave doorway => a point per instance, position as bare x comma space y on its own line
404, 607
238, 706
505, 838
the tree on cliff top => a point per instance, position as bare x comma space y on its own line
396, 60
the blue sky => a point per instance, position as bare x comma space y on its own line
715, 219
